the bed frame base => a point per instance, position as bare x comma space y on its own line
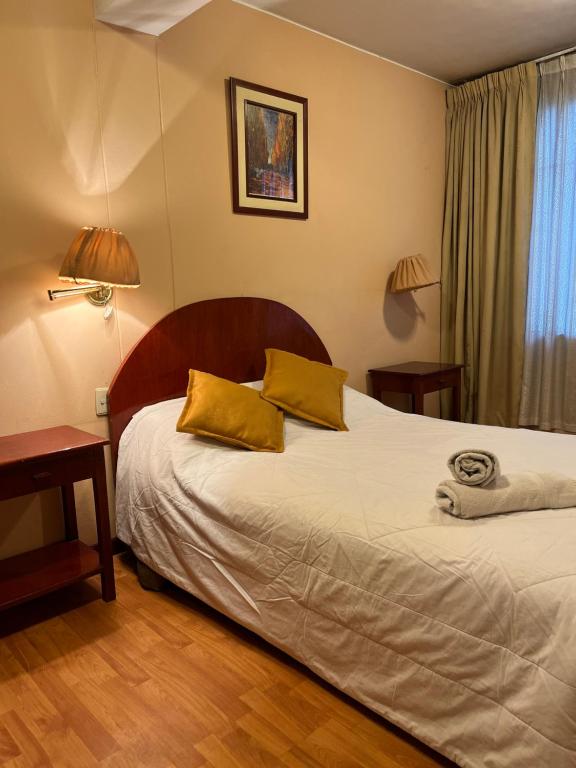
149, 579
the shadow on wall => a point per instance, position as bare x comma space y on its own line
28, 522
401, 313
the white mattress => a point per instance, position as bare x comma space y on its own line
461, 632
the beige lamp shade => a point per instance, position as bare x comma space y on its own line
101, 255
411, 273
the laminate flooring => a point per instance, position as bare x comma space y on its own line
161, 680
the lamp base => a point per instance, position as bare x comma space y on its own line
100, 297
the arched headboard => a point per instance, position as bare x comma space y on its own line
226, 337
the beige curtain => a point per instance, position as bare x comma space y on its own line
491, 128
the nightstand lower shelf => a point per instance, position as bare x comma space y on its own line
44, 570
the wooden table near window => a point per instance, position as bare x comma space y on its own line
47, 458
418, 379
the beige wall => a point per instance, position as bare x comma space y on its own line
80, 138
103, 126
376, 182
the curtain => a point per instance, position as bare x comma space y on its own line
491, 128
549, 386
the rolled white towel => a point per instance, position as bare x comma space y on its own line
474, 467
520, 492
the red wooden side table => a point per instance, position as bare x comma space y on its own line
46, 458
417, 379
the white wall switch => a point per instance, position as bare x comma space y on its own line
101, 401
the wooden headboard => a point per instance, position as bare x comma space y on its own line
226, 337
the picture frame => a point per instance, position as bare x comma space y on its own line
269, 151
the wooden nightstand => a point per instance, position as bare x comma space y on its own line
417, 379
31, 462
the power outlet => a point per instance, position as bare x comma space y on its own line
101, 401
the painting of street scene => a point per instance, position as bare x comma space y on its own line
270, 152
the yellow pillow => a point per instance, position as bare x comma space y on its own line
305, 388
231, 413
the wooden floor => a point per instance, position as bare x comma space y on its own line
160, 680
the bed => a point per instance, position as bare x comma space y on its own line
461, 632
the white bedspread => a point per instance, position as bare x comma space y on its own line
462, 632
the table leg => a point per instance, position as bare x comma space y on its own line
103, 528
69, 508
456, 403
418, 400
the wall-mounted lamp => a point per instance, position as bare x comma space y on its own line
411, 273
99, 259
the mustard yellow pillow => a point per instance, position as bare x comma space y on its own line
231, 413
313, 391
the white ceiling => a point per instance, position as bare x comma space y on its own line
452, 40
150, 16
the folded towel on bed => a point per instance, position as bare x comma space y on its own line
520, 492
474, 467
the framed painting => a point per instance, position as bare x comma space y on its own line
269, 151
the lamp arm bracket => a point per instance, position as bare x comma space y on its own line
94, 292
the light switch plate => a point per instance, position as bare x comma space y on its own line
101, 401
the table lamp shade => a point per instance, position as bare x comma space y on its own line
411, 273
101, 255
